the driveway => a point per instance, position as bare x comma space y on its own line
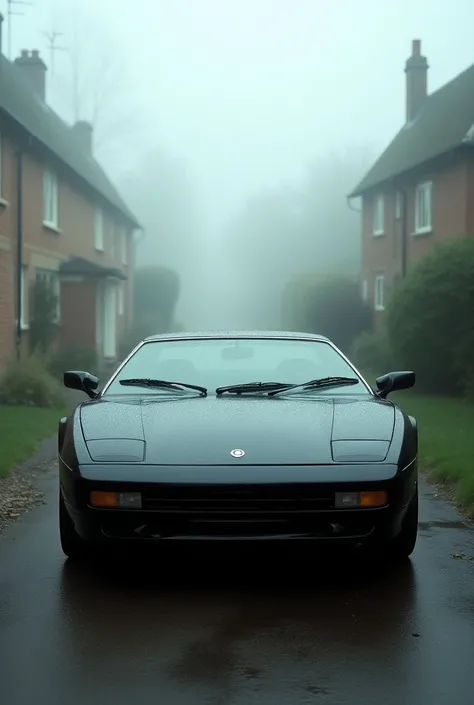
236, 634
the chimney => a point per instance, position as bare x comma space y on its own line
34, 69
416, 69
83, 132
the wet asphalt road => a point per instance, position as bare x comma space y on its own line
237, 635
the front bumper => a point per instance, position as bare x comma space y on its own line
188, 511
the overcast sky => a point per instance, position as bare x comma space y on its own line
249, 91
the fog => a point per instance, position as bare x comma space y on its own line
235, 128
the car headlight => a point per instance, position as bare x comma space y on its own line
359, 451
117, 500
355, 500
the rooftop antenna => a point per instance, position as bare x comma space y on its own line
52, 38
10, 13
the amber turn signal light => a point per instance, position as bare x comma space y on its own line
373, 499
104, 499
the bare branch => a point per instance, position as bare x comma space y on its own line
97, 80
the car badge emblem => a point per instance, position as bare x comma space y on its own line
237, 453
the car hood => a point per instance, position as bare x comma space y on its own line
204, 430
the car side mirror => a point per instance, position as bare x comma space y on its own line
82, 381
394, 382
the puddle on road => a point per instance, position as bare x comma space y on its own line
428, 525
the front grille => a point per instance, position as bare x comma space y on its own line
235, 511
254, 500
249, 511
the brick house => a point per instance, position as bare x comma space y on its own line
420, 191
61, 220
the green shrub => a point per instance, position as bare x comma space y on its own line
463, 363
371, 352
430, 319
29, 383
76, 357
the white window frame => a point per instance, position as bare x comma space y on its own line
378, 219
51, 277
379, 292
364, 290
398, 205
121, 299
424, 208
99, 229
124, 247
50, 199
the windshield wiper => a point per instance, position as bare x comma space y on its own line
317, 384
162, 384
252, 387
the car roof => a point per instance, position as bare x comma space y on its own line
233, 334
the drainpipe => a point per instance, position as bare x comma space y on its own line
404, 248
19, 249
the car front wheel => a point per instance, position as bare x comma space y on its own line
403, 545
72, 544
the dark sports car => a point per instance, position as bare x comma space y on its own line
238, 437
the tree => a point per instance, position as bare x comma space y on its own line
156, 293
161, 193
430, 319
326, 305
280, 231
92, 83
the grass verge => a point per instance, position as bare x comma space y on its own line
446, 435
22, 428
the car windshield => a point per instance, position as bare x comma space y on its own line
218, 362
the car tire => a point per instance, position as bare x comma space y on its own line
73, 546
403, 545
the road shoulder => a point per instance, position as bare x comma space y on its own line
19, 491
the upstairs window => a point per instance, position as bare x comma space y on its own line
378, 215
423, 206
50, 198
99, 229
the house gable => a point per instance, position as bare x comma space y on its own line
445, 123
